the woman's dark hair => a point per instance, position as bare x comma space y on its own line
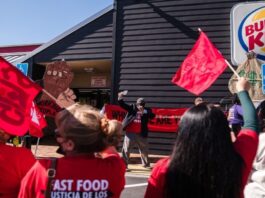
236, 100
261, 115
204, 162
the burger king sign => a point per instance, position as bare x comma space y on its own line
248, 31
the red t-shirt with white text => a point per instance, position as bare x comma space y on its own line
77, 176
14, 164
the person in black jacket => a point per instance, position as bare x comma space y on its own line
135, 124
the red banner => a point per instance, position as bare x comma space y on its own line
166, 120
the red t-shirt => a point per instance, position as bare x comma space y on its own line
246, 145
135, 125
77, 176
14, 164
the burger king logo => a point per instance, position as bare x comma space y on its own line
251, 32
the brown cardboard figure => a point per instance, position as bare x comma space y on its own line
252, 71
57, 79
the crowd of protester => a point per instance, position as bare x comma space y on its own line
205, 161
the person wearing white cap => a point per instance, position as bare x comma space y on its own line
135, 124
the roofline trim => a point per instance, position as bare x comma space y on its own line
66, 33
13, 53
19, 45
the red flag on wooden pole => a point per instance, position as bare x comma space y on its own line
16, 95
201, 67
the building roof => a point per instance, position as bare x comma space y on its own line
12, 58
66, 33
13, 53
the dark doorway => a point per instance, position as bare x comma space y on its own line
94, 97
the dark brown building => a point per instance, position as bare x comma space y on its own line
138, 45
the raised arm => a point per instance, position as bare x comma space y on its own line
247, 140
122, 103
249, 112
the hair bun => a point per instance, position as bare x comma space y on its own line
104, 124
112, 130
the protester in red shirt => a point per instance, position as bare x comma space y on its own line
81, 132
135, 124
14, 164
205, 162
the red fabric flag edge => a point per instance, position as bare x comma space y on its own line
12, 112
37, 122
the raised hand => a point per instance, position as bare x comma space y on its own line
66, 98
242, 84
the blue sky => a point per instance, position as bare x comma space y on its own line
39, 21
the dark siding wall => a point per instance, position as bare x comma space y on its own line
91, 42
156, 37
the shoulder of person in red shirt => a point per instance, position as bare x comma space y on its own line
15, 162
246, 145
157, 179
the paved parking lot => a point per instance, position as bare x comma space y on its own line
135, 186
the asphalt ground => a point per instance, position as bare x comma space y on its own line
135, 186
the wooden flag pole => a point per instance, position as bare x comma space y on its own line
47, 93
36, 149
230, 66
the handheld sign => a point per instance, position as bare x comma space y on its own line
23, 67
263, 77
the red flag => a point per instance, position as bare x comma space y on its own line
16, 95
37, 123
201, 67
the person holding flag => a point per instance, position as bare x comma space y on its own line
256, 183
205, 162
16, 95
